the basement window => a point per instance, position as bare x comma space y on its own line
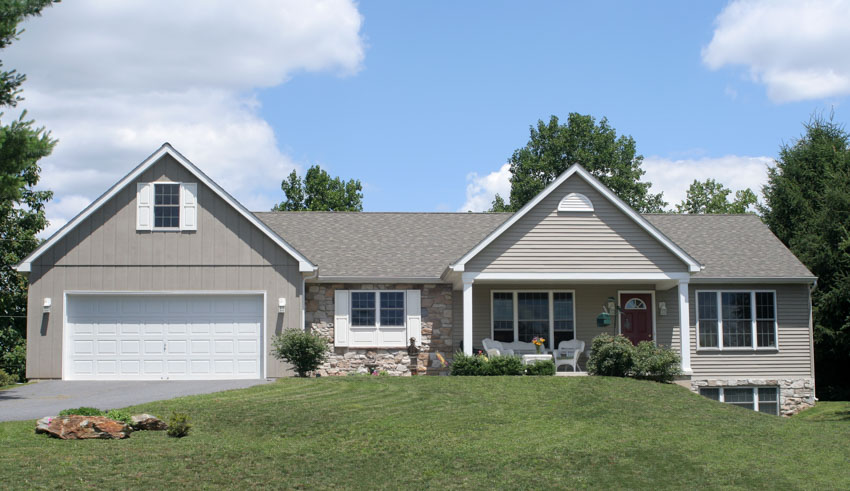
761, 399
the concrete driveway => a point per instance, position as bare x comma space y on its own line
47, 398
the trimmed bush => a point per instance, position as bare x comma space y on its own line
657, 363
306, 351
178, 425
82, 411
469, 365
612, 356
505, 365
6, 379
541, 367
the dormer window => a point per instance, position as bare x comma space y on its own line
575, 202
167, 206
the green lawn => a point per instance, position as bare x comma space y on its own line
447, 432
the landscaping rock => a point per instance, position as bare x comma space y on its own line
85, 427
148, 422
42, 424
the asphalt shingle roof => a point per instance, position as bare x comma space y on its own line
730, 246
422, 245
401, 245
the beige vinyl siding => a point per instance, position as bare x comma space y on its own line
545, 240
106, 253
588, 301
792, 359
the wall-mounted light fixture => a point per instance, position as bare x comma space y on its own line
612, 304
662, 308
47, 304
281, 305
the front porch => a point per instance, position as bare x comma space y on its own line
646, 307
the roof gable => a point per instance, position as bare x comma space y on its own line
578, 171
304, 264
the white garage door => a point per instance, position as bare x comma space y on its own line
163, 337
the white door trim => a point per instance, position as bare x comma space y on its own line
65, 331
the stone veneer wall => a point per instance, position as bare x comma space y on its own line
436, 332
794, 394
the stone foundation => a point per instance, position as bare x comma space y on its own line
795, 394
436, 332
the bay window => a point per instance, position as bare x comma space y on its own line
736, 320
524, 315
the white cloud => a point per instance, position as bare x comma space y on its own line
796, 48
114, 80
480, 190
673, 177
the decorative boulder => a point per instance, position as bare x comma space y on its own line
83, 427
42, 424
148, 422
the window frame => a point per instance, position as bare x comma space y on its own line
756, 398
179, 207
753, 321
377, 295
515, 297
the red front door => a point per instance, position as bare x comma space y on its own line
636, 321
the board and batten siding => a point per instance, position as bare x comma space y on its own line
792, 359
106, 253
546, 240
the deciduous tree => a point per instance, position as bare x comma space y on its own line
710, 196
318, 191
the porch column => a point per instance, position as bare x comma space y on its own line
467, 317
684, 326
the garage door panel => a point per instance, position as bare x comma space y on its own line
151, 337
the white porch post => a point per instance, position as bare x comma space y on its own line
684, 326
467, 317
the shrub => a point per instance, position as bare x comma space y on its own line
612, 356
657, 363
82, 411
6, 379
178, 425
466, 365
505, 365
304, 350
541, 367
13, 353
120, 415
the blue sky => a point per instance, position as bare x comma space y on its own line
422, 101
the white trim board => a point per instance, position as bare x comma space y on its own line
693, 265
304, 264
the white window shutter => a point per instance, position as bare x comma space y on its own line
189, 206
341, 322
144, 206
414, 316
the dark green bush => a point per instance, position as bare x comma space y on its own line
178, 425
469, 365
657, 363
541, 367
6, 379
304, 350
13, 353
505, 365
82, 411
120, 415
612, 356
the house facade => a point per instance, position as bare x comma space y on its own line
166, 276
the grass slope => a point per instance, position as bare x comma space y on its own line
381, 432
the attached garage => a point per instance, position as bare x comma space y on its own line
163, 336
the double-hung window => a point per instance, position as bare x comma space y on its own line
524, 315
377, 318
166, 206
736, 320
